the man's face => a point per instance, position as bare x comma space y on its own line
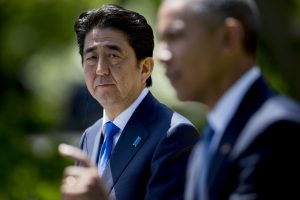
112, 73
189, 52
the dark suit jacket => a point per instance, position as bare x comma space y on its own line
155, 168
258, 156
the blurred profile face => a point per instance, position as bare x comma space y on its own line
188, 51
112, 73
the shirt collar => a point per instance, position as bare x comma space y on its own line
122, 119
222, 113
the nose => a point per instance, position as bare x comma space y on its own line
102, 67
163, 53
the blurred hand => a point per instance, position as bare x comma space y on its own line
81, 183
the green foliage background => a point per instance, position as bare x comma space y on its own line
39, 63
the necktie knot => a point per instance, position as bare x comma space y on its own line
110, 130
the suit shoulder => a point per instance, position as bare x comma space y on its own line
162, 118
94, 128
175, 118
276, 114
279, 108
179, 119
275, 110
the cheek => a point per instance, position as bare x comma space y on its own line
124, 74
89, 77
187, 62
184, 52
121, 78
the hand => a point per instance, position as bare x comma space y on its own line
81, 182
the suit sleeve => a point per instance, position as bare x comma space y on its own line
169, 163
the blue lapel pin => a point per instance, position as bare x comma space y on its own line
137, 141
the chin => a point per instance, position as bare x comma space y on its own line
185, 95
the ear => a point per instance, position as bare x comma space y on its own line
146, 68
233, 35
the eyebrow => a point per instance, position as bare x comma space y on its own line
109, 46
90, 49
113, 47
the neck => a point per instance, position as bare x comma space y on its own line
115, 109
227, 79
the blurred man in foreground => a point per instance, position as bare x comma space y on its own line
250, 147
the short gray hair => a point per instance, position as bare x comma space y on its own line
214, 12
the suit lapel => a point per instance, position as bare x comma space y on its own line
254, 98
133, 137
98, 140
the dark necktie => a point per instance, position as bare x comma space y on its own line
208, 133
201, 186
110, 132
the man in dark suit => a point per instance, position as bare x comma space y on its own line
250, 147
140, 146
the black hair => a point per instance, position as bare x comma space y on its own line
245, 11
138, 32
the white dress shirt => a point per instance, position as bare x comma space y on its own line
122, 119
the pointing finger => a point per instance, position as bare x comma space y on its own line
74, 153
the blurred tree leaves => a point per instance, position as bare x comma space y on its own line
32, 33
280, 44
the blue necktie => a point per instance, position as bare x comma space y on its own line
208, 133
202, 190
110, 131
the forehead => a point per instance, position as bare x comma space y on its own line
105, 36
176, 14
170, 9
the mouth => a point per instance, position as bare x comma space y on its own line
103, 85
103, 82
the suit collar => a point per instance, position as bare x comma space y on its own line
223, 111
133, 136
257, 94
98, 140
122, 119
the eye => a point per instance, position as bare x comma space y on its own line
112, 55
90, 60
